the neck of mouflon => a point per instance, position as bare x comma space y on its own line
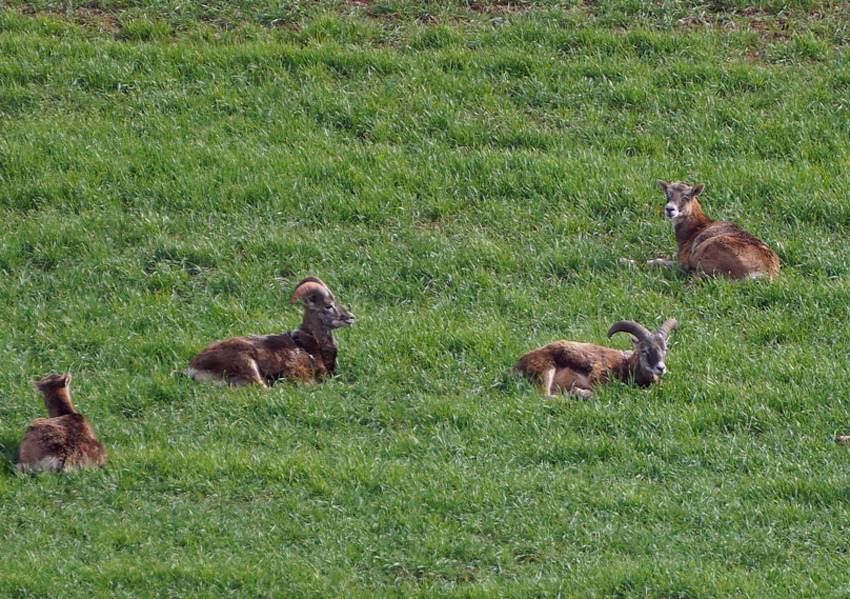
693, 222
313, 326
631, 369
58, 402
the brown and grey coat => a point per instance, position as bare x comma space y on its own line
579, 367
307, 353
711, 248
65, 440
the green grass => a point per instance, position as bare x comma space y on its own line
466, 177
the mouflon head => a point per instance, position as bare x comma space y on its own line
680, 198
317, 298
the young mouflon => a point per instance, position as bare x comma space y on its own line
65, 440
579, 367
307, 353
711, 248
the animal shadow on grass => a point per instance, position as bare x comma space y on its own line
9, 445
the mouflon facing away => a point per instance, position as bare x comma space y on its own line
65, 440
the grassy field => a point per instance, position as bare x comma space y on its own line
466, 178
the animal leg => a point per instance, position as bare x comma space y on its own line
581, 393
662, 262
247, 373
547, 383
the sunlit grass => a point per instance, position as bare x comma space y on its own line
466, 178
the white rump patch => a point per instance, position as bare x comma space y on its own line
204, 375
47, 463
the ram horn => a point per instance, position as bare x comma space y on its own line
669, 325
629, 326
308, 285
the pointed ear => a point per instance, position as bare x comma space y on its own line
697, 189
662, 185
67, 379
634, 340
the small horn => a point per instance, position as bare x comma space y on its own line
629, 326
669, 325
311, 280
306, 286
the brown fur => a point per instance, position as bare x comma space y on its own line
307, 353
578, 367
63, 441
711, 248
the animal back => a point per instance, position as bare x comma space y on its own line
583, 358
60, 443
727, 249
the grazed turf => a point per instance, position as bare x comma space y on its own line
466, 177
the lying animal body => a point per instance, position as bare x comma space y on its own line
65, 440
579, 367
712, 248
307, 353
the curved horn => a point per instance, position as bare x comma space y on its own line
669, 325
629, 326
307, 285
311, 280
